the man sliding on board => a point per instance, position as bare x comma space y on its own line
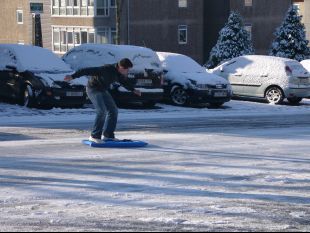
97, 91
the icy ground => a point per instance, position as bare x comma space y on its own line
252, 178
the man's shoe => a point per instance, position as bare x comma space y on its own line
105, 139
95, 140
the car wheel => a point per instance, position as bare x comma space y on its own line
274, 95
28, 99
179, 96
295, 100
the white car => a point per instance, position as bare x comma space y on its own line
272, 78
185, 82
146, 74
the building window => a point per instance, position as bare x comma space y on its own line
248, 28
73, 7
63, 41
70, 39
103, 7
182, 3
76, 37
90, 8
248, 2
103, 36
62, 7
66, 38
182, 34
297, 6
19, 17
113, 35
113, 3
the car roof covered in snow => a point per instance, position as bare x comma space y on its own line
92, 55
31, 58
262, 64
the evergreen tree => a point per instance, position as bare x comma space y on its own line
233, 41
290, 41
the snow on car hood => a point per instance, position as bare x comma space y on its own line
50, 78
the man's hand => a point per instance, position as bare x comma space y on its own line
137, 92
68, 78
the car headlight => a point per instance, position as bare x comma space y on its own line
45, 83
192, 83
55, 85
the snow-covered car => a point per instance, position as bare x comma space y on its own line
272, 78
146, 74
34, 77
186, 82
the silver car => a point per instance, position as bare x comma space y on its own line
272, 78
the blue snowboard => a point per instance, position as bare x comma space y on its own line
116, 144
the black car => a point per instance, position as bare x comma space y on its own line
186, 82
33, 77
146, 74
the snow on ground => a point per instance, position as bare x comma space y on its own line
192, 180
232, 108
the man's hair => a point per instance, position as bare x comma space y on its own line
125, 63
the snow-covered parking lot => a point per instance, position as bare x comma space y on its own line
243, 167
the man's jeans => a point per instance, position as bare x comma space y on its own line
107, 112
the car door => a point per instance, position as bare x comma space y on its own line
253, 78
13, 84
234, 74
4, 78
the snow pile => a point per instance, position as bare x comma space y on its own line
232, 108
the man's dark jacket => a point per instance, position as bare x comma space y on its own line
102, 77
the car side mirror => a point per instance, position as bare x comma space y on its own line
165, 71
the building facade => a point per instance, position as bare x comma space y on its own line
64, 23
174, 26
75, 22
17, 21
190, 27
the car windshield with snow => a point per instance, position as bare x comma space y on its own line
145, 75
186, 82
272, 78
33, 76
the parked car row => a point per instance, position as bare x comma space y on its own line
34, 77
